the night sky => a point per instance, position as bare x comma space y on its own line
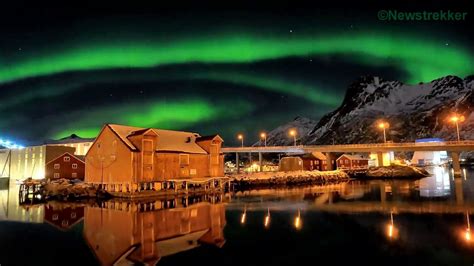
209, 69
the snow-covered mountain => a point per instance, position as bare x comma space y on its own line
413, 112
279, 136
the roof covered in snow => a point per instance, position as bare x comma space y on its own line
168, 140
353, 157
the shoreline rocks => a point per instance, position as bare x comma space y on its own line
286, 179
396, 171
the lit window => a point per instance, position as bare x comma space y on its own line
55, 217
74, 166
74, 175
57, 166
65, 223
67, 158
73, 215
56, 175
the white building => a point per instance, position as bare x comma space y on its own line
81, 145
429, 157
387, 158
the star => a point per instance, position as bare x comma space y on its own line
446, 44
310, 60
291, 31
111, 95
352, 26
141, 92
19, 49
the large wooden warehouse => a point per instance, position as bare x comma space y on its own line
128, 159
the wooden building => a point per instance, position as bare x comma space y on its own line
66, 166
352, 162
314, 161
129, 159
292, 163
127, 233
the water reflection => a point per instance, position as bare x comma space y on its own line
129, 232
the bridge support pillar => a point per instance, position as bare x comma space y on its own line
456, 164
237, 163
260, 159
379, 158
458, 190
329, 164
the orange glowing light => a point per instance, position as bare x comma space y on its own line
240, 136
242, 220
457, 118
292, 132
384, 125
467, 235
263, 135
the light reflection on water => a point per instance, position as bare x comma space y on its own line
420, 215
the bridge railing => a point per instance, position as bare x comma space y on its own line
368, 145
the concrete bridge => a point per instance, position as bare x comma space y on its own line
454, 147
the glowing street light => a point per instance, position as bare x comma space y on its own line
241, 137
456, 119
298, 220
244, 216
293, 134
384, 125
263, 136
266, 221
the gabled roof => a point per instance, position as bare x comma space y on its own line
68, 140
168, 140
79, 157
315, 154
353, 157
210, 137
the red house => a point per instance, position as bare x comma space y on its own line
67, 166
352, 162
314, 161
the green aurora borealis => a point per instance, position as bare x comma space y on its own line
411, 54
212, 79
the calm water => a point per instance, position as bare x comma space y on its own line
423, 222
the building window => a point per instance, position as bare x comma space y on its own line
65, 223
55, 217
67, 158
74, 166
56, 175
73, 215
184, 159
57, 166
346, 161
74, 175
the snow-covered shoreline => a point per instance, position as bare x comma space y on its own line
275, 179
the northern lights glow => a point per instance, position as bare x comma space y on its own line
422, 59
164, 114
196, 72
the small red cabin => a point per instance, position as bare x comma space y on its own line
314, 161
67, 166
352, 162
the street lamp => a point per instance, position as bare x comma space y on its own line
263, 135
384, 125
456, 119
293, 133
241, 137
